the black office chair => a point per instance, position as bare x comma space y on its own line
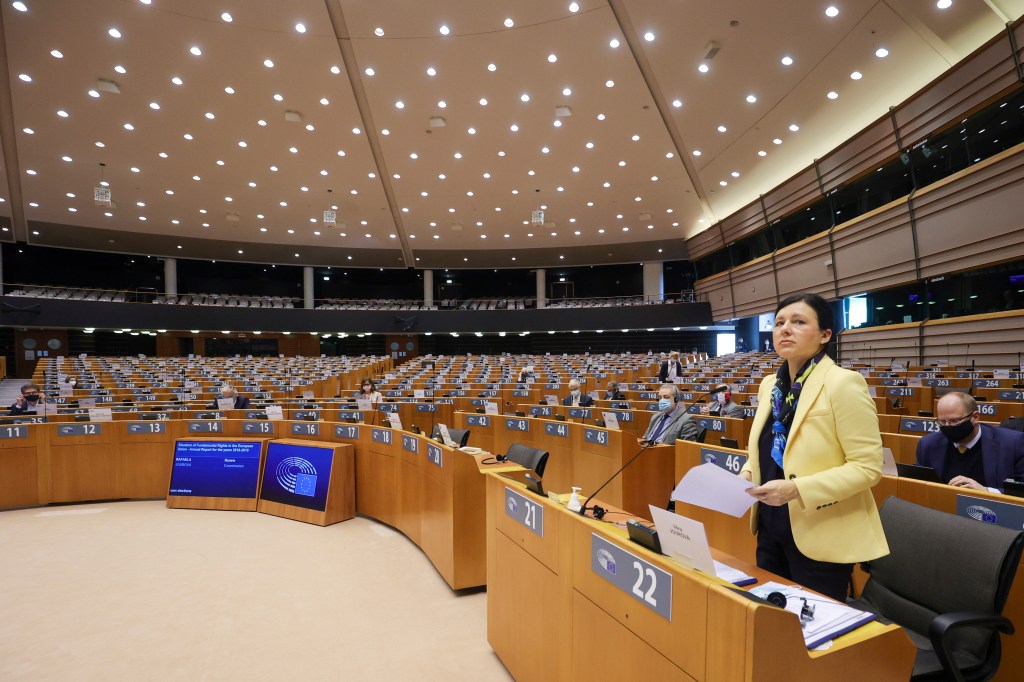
925, 413
945, 580
81, 417
559, 417
459, 436
520, 413
525, 456
701, 435
728, 443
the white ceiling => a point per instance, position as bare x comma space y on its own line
460, 192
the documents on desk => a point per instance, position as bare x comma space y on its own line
830, 620
683, 540
714, 488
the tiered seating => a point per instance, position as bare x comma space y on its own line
68, 294
371, 304
227, 301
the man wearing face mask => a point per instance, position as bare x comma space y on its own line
31, 401
722, 404
672, 422
968, 454
576, 397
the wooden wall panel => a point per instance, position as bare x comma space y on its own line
989, 340
882, 345
753, 287
978, 78
973, 218
745, 221
798, 191
802, 268
867, 150
305, 345
703, 243
875, 250
719, 294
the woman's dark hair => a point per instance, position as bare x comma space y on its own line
368, 380
821, 308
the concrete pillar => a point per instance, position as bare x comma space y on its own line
170, 277
654, 282
542, 286
428, 288
307, 287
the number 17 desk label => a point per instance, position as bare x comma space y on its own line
639, 579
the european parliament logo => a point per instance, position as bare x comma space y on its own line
296, 475
980, 513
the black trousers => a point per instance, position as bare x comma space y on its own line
777, 552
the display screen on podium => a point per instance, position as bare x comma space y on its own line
215, 468
297, 475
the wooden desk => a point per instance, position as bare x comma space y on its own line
550, 616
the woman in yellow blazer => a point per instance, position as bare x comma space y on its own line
815, 452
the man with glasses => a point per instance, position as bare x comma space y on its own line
968, 454
31, 401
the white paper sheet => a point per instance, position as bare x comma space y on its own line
714, 488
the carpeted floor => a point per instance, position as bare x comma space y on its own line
136, 591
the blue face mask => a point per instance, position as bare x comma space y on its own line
665, 404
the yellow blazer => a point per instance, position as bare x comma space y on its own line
834, 456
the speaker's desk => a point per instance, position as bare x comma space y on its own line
552, 615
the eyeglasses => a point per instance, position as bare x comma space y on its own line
953, 422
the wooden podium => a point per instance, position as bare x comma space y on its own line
338, 499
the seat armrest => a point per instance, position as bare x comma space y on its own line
944, 624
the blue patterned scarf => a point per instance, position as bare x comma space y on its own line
784, 404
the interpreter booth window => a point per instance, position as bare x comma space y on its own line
803, 223
714, 263
855, 311
725, 344
752, 247
879, 186
907, 303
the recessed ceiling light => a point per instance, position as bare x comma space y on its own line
735, 174
187, 136
444, 30
57, 54
30, 172
777, 141
300, 28
703, 68
20, 6
195, 50
176, 80
574, 7
226, 17
793, 127
414, 155
514, 128
129, 126
431, 71
944, 4
723, 183
722, 129
856, 75
881, 53
28, 131
154, 106
751, 98
442, 104
833, 95
399, 104
93, 93
135, 169
787, 60
509, 23
369, 71
762, 153
25, 77
492, 67
609, 84
113, 33
696, 152
669, 155
649, 37
524, 97
269, 63
379, 32
613, 43
831, 11
552, 58
600, 117
278, 97
68, 159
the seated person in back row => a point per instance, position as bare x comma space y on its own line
226, 391
670, 369
968, 454
672, 422
29, 401
722, 404
369, 391
612, 392
576, 397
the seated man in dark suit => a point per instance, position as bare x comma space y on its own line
612, 392
576, 397
672, 422
30, 401
670, 369
968, 454
241, 402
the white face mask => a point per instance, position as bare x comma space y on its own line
720, 397
575, 393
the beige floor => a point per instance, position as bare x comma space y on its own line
136, 591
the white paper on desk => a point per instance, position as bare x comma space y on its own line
611, 421
225, 403
831, 618
274, 412
446, 437
714, 488
490, 408
395, 420
888, 463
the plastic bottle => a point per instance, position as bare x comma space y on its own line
574, 500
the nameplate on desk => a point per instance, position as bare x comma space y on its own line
393, 394
987, 409
968, 375
995, 512
520, 394
147, 398
445, 401
647, 395
490, 393
517, 425
623, 417
258, 426
556, 429
639, 579
348, 431
524, 511
80, 429
986, 383
540, 411
552, 387
638, 387
410, 443
434, 455
729, 461
918, 425
579, 413
262, 396
1011, 395
388, 407
749, 412
458, 393
901, 392
894, 382
350, 414
599, 436
426, 407
478, 420
306, 429
205, 426
305, 414
381, 436
147, 427
687, 396
711, 424
937, 383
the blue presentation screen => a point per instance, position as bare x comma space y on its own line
297, 475
209, 468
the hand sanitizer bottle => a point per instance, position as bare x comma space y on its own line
574, 500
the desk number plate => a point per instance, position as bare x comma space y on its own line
306, 429
729, 461
347, 431
995, 512
148, 427
598, 436
517, 425
381, 436
258, 427
205, 426
79, 429
434, 454
524, 511
559, 429
643, 581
